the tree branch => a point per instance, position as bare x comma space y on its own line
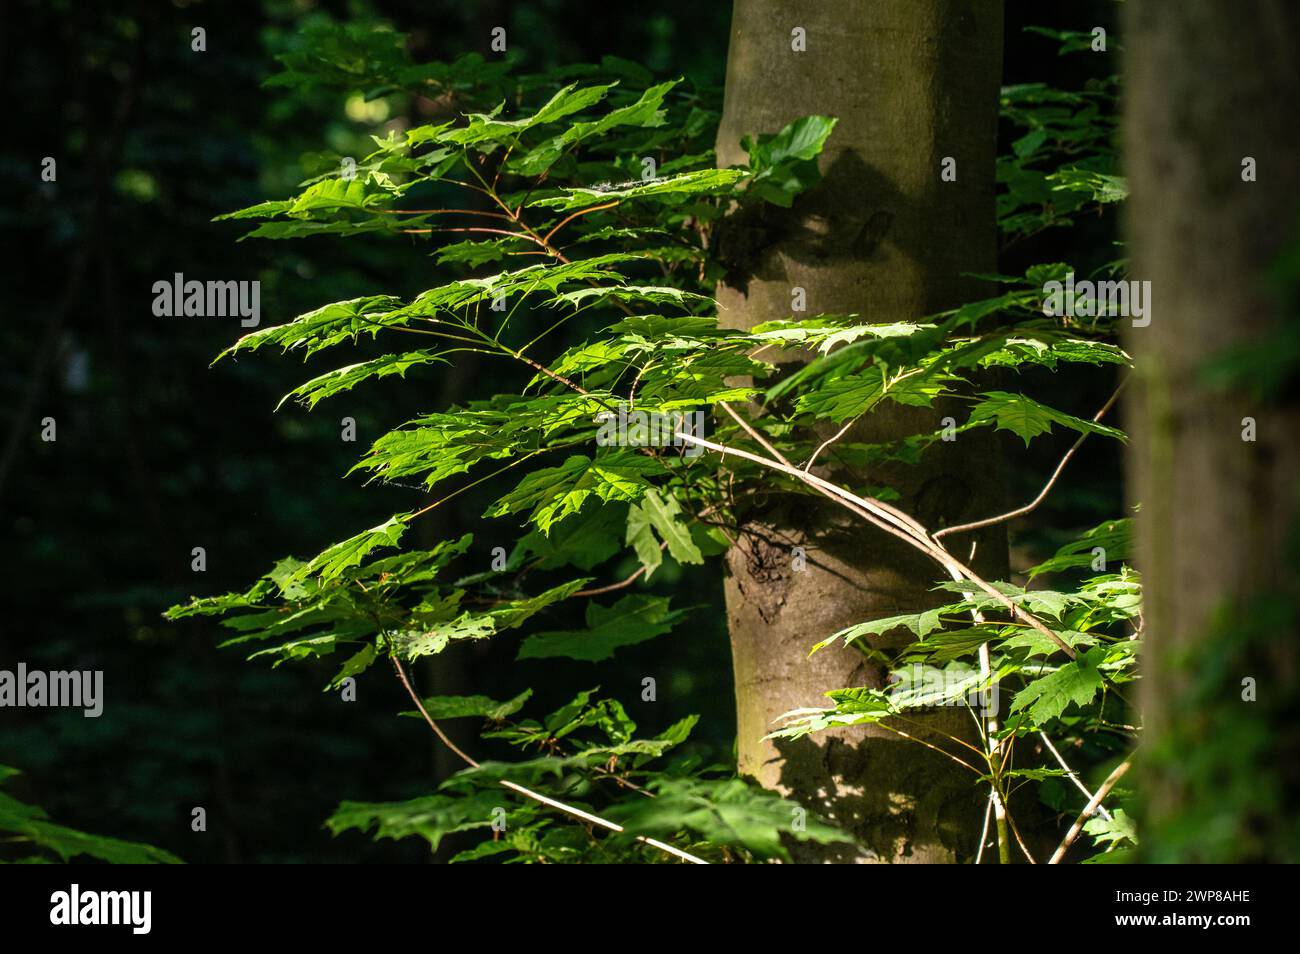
1042, 494
1074, 776
887, 518
1093, 804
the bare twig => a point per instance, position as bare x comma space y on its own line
892, 521
989, 733
827, 443
437, 729
631, 392
599, 590
482, 212
543, 369
1020, 841
1074, 776
506, 232
984, 834
1093, 804
563, 222
929, 745
1042, 495
752, 432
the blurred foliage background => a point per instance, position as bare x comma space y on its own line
157, 454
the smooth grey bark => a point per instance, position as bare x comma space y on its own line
1207, 85
912, 82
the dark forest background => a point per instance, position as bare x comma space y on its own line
157, 453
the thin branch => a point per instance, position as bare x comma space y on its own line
1074, 776
519, 235
988, 731
474, 483
569, 317
829, 441
622, 584
1011, 741
437, 729
901, 519
911, 738
563, 222
496, 335
1042, 495
631, 392
504, 159
887, 518
597, 591
937, 731
483, 212
514, 216
528, 792
754, 434
1093, 804
531, 233
541, 368
1020, 841
984, 834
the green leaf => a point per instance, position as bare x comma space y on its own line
843, 398
801, 140
431, 817
475, 253
685, 185
1115, 537
590, 538
1033, 774
633, 619
434, 636
723, 812
350, 552
456, 707
324, 327
640, 536
344, 379
1098, 186
653, 294
919, 624
1116, 856
355, 665
1027, 418
563, 718
306, 228
554, 493
1040, 348
516, 612
1120, 827
25, 824
785, 164
860, 705
334, 194
644, 112
665, 515
1077, 682
483, 128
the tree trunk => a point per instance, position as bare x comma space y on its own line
1210, 85
882, 236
